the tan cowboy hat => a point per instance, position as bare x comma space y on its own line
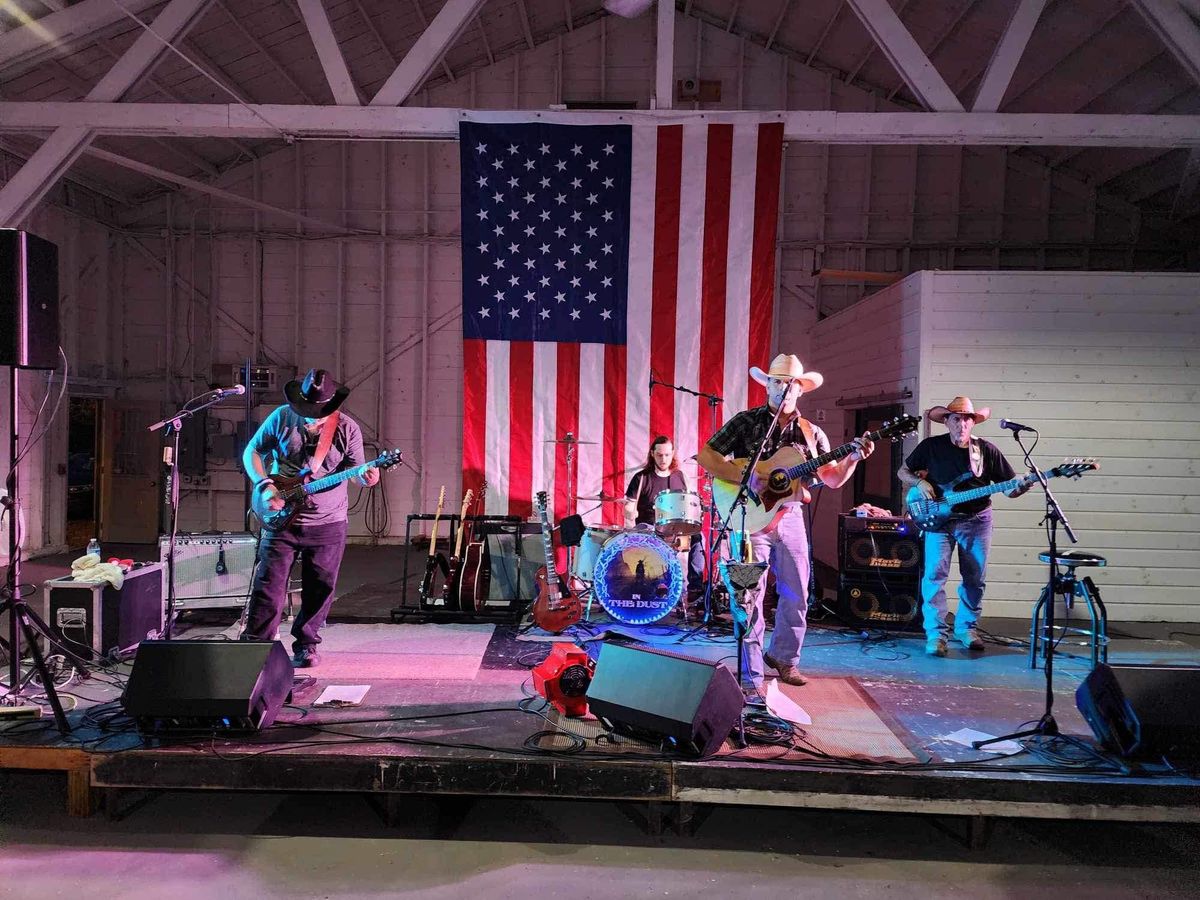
964, 407
786, 365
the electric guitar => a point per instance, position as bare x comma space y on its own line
782, 477
428, 596
556, 607
476, 569
454, 566
296, 489
930, 514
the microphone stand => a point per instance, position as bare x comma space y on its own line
173, 423
1046, 725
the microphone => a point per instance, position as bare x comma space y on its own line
1014, 427
236, 391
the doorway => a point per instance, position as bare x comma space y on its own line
83, 487
875, 480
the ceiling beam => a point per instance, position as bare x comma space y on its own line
333, 63
784, 7
1188, 186
421, 17
22, 193
664, 55
433, 43
902, 51
441, 123
271, 57
1176, 29
1000, 68
82, 20
940, 39
870, 51
525, 24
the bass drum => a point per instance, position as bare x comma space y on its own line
594, 538
638, 578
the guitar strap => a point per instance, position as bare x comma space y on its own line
810, 439
324, 442
975, 453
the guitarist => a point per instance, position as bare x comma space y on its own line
785, 547
956, 460
308, 432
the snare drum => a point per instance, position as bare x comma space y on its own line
594, 538
677, 513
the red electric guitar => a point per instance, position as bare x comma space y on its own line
556, 607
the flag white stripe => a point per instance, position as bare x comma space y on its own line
737, 282
641, 264
496, 441
687, 297
591, 428
545, 406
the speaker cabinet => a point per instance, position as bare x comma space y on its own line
893, 604
28, 301
211, 570
1145, 712
654, 695
885, 546
208, 685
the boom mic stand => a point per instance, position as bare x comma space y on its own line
1046, 725
173, 424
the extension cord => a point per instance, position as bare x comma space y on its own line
20, 712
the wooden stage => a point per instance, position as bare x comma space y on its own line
449, 713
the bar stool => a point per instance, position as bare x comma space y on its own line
1070, 587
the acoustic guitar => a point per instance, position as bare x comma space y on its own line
429, 596
784, 475
296, 489
476, 566
454, 564
555, 607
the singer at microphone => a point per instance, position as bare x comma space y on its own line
1015, 427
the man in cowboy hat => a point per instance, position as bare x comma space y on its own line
785, 546
959, 461
307, 432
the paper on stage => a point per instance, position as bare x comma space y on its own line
784, 706
966, 736
343, 695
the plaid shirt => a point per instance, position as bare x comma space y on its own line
741, 435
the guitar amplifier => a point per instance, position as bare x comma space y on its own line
211, 570
515, 552
886, 545
95, 620
869, 601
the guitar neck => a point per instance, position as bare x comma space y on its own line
322, 484
956, 497
805, 469
548, 547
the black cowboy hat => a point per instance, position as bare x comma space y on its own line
317, 396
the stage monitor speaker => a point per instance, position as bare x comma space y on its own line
28, 301
208, 685
871, 601
655, 695
1145, 712
887, 546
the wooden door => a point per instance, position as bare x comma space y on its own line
129, 475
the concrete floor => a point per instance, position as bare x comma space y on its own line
201, 845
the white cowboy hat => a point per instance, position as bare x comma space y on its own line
963, 406
785, 365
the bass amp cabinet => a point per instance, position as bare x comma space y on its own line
211, 570
889, 546
893, 604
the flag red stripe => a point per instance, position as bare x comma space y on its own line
474, 413
665, 277
614, 430
762, 260
520, 429
715, 269
566, 418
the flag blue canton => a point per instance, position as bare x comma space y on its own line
545, 231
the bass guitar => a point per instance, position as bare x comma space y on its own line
476, 568
556, 607
934, 513
783, 476
430, 597
454, 564
296, 489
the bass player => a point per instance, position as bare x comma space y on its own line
959, 460
785, 545
307, 432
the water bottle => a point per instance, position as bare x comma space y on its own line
93, 546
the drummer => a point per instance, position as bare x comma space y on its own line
660, 473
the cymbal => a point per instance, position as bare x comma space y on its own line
601, 498
569, 441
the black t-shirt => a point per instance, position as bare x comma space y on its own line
645, 486
944, 462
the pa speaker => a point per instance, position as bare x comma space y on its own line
1145, 712
28, 301
654, 695
208, 685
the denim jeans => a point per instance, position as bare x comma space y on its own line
973, 538
786, 549
320, 548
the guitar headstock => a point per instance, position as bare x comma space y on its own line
896, 428
441, 499
540, 501
1076, 466
389, 458
466, 504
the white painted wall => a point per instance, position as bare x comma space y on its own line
1106, 365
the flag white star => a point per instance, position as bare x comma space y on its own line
528, 198
606, 281
560, 297
498, 197
529, 229
592, 198
484, 313
483, 279
592, 165
529, 263
561, 165
544, 149
606, 313
499, 296
545, 182
481, 148
512, 148
529, 295
514, 313
514, 281
545, 248
560, 199
574, 314
575, 248
544, 281
576, 216
577, 183
499, 263
591, 232
513, 182
544, 215
514, 247
560, 231
591, 296
606, 249
575, 281
482, 214
483, 247
499, 230
545, 313
482, 182
609, 149
577, 149
560, 264
606, 216
529, 164
591, 265
608, 182
513, 215
497, 164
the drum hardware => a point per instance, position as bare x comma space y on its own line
600, 498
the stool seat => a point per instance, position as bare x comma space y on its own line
1074, 558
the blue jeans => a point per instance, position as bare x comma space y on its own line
973, 538
786, 549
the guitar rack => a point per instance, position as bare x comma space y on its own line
410, 604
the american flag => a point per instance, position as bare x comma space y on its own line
595, 259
